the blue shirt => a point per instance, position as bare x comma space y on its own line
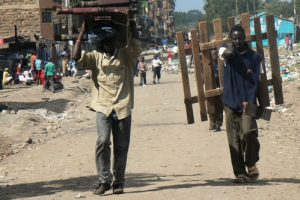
38, 64
241, 79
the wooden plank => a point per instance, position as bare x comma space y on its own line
230, 22
213, 44
218, 43
246, 25
185, 78
263, 94
219, 36
214, 92
207, 66
199, 75
246, 22
274, 60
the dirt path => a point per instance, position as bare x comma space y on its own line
168, 159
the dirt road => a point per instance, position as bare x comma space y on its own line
168, 159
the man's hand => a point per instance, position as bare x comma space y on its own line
77, 47
245, 105
229, 52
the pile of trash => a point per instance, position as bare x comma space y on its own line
289, 65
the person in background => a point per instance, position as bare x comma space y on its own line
28, 59
142, 66
65, 62
241, 83
38, 67
50, 71
7, 78
112, 99
216, 119
291, 41
157, 52
175, 51
156, 68
32, 60
73, 67
170, 58
287, 41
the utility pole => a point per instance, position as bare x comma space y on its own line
67, 4
254, 7
237, 17
295, 13
236, 8
70, 22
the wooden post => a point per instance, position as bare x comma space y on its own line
263, 96
230, 22
219, 36
185, 78
198, 74
246, 24
207, 66
274, 59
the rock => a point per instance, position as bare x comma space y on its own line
80, 196
29, 141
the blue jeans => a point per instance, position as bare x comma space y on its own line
120, 130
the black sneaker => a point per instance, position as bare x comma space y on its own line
101, 188
118, 189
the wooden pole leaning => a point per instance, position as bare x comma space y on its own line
263, 95
199, 74
185, 78
207, 67
246, 25
274, 60
219, 36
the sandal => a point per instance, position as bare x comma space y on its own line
241, 178
253, 172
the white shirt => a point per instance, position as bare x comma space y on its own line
175, 49
156, 63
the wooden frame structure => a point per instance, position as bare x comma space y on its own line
206, 89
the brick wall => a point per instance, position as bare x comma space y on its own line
23, 13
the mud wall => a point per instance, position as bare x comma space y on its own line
23, 13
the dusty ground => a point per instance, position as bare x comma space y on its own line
50, 141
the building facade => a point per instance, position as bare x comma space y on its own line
161, 13
22, 15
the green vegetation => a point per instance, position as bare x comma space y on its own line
222, 9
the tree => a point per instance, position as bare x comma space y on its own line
186, 20
223, 9
279, 8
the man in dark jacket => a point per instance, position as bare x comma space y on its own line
241, 83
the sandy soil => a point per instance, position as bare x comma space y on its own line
47, 142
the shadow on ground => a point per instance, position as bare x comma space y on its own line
83, 184
57, 105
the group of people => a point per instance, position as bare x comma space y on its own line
31, 69
112, 101
156, 66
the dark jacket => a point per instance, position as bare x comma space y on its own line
241, 79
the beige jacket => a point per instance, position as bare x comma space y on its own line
112, 79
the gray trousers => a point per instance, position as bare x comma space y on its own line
242, 133
120, 130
